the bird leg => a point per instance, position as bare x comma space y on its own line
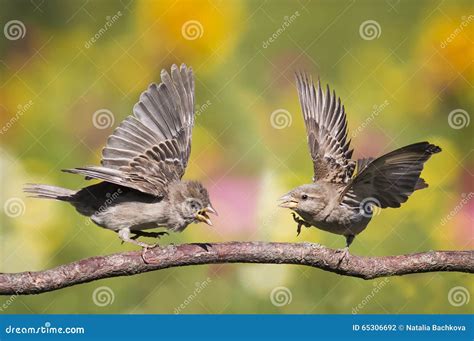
300, 223
345, 251
124, 234
139, 233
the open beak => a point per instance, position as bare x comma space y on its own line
287, 201
203, 217
210, 209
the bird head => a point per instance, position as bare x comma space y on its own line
195, 203
304, 199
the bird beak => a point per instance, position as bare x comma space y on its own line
210, 209
203, 217
287, 201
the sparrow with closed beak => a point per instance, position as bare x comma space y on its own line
142, 166
344, 193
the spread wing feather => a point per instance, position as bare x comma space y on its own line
326, 127
389, 180
151, 148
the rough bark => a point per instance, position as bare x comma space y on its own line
314, 255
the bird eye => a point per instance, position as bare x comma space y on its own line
304, 197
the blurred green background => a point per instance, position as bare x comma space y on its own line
403, 69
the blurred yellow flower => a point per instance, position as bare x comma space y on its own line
190, 30
446, 48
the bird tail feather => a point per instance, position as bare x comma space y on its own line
49, 192
393, 177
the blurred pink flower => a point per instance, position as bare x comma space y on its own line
236, 201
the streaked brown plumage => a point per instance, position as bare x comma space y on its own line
142, 166
344, 193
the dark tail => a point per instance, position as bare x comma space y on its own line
393, 177
48, 192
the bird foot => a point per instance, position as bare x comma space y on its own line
344, 255
139, 243
143, 255
146, 247
124, 235
300, 223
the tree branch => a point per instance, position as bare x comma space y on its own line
314, 255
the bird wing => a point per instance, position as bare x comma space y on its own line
326, 127
362, 163
389, 180
151, 148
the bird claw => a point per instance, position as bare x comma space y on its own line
144, 250
124, 235
146, 246
300, 223
345, 254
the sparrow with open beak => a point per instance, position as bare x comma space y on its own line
142, 166
345, 193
